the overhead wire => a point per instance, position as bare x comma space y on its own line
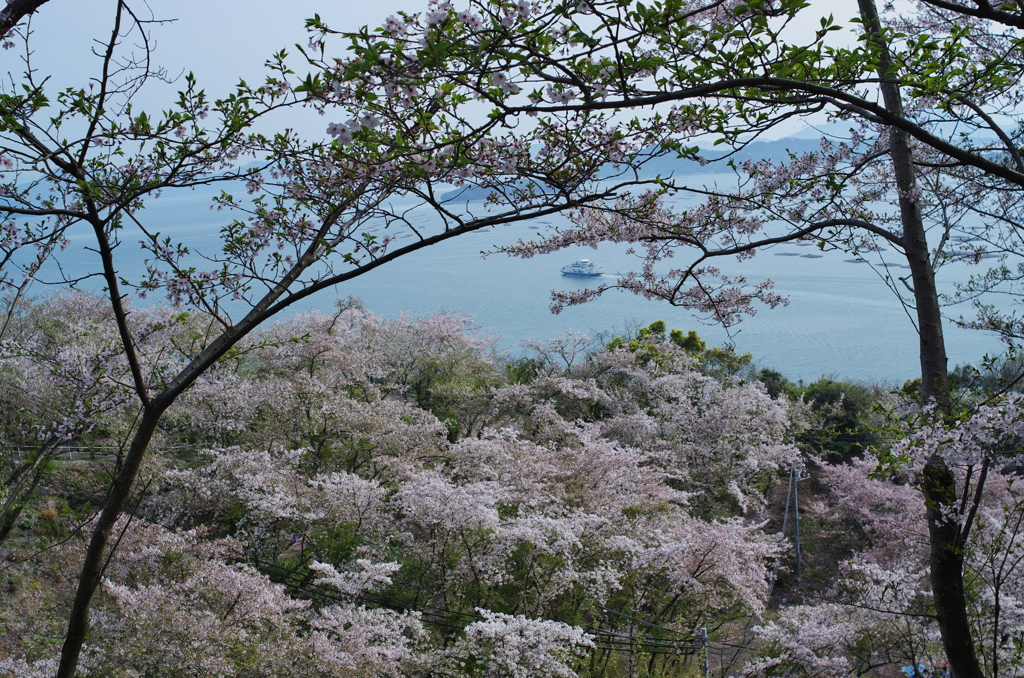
457, 621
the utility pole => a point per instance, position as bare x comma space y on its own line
793, 495
796, 475
796, 514
705, 667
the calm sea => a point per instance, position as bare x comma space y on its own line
842, 319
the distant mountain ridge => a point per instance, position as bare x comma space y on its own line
758, 150
668, 164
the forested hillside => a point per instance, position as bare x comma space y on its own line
351, 495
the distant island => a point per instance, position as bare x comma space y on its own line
669, 164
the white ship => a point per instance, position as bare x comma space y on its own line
583, 268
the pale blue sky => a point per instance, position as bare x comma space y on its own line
219, 40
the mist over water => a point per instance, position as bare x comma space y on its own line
842, 319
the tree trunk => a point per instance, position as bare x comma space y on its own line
12, 511
946, 558
96, 555
21, 488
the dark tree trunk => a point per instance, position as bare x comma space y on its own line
946, 558
20, 489
97, 553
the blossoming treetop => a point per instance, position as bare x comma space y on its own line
930, 167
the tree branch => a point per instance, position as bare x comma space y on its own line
15, 11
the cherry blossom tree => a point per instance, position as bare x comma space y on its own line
506, 645
877, 607
510, 528
547, 517
574, 504
722, 439
54, 389
83, 162
930, 167
400, 120
178, 602
880, 609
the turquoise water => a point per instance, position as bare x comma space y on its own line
842, 320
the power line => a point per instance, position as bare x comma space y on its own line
454, 620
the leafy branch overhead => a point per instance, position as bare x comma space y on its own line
544, 107
927, 166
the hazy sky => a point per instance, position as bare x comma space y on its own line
219, 40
